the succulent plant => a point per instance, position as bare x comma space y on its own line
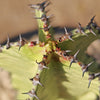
41, 70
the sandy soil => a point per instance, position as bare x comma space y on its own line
16, 17
6, 90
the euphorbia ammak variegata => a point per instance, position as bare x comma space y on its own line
53, 69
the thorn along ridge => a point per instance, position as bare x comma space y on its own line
81, 30
40, 6
8, 43
63, 53
52, 47
32, 94
22, 42
66, 36
36, 80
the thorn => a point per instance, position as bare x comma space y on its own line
42, 65
36, 97
89, 24
89, 83
33, 6
49, 26
19, 48
21, 42
50, 16
65, 53
80, 26
73, 60
90, 63
25, 93
40, 6
68, 34
94, 25
97, 75
84, 33
70, 38
41, 84
8, 43
80, 30
43, 3
92, 19
46, 67
37, 62
70, 64
68, 51
91, 77
85, 68
32, 94
92, 32
76, 54
36, 80
37, 17
47, 4
31, 79
83, 74
20, 37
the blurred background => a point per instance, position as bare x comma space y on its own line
17, 17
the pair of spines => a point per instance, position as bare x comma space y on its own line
21, 43
36, 80
45, 19
68, 35
73, 59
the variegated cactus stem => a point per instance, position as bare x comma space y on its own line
43, 21
92, 77
36, 80
51, 46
